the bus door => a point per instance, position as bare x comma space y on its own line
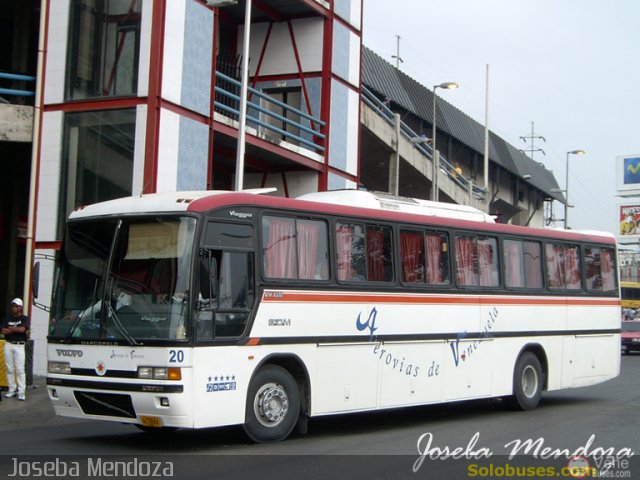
225, 277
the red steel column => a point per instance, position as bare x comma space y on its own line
154, 100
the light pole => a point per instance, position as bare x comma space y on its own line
566, 187
435, 160
242, 119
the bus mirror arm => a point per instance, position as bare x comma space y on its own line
213, 278
207, 302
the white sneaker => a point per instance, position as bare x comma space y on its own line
9, 394
22, 397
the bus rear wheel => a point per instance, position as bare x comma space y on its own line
528, 380
273, 405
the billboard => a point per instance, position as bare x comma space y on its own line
628, 174
629, 221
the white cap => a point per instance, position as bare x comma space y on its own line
17, 301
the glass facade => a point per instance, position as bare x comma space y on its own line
97, 163
104, 40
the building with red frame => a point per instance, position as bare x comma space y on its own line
137, 96
142, 96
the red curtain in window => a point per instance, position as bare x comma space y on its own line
411, 252
606, 265
572, 266
555, 266
307, 249
487, 271
280, 251
434, 253
464, 262
344, 234
375, 255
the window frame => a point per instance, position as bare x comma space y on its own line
367, 224
616, 283
99, 71
477, 235
74, 169
541, 264
424, 232
565, 244
289, 216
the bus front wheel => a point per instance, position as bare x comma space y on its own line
527, 382
273, 405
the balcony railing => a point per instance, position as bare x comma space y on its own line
259, 113
450, 170
8, 78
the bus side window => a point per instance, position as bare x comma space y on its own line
522, 264
350, 252
295, 248
424, 257
477, 261
600, 271
563, 266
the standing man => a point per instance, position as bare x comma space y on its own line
14, 328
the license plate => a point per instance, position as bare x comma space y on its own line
150, 421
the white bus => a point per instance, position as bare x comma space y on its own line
204, 309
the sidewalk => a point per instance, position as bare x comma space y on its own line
35, 410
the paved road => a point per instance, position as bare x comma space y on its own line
380, 445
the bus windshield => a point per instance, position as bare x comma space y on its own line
124, 280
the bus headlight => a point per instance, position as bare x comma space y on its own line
59, 367
160, 373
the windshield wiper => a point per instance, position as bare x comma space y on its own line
110, 277
120, 327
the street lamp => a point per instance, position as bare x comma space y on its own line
435, 160
566, 187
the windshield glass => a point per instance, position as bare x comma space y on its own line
124, 279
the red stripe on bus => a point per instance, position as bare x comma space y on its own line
315, 297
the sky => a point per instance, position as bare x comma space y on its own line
570, 66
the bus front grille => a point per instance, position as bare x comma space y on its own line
106, 404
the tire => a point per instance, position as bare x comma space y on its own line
528, 380
273, 405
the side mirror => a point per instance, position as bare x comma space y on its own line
35, 279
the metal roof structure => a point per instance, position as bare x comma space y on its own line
384, 79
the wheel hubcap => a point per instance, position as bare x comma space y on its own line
271, 404
529, 381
